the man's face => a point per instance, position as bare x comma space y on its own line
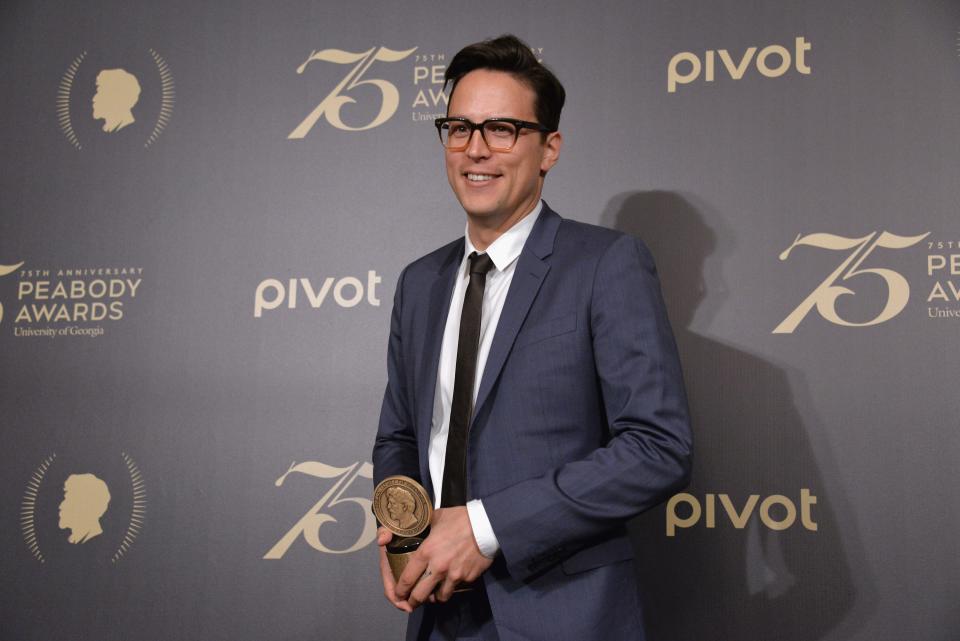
495, 185
396, 507
98, 103
68, 510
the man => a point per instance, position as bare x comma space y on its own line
534, 386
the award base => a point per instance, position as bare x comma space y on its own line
399, 552
398, 555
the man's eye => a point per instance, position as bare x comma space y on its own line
459, 130
500, 130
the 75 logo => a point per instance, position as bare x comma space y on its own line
309, 524
330, 106
825, 296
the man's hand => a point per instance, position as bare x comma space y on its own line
447, 557
384, 536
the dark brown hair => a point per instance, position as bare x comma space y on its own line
511, 55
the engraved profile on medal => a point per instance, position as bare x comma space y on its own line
85, 501
402, 505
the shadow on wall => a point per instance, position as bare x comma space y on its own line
726, 583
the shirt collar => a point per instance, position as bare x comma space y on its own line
507, 247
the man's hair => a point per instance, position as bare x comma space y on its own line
89, 492
402, 497
511, 55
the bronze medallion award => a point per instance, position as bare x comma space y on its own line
402, 506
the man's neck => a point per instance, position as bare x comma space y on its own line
484, 231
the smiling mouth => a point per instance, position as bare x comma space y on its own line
480, 178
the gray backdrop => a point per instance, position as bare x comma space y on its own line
191, 408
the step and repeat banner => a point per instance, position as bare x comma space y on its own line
204, 209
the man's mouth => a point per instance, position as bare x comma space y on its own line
479, 178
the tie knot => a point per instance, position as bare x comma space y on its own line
480, 263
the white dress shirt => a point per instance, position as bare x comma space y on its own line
504, 252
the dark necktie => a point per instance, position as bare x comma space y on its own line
454, 490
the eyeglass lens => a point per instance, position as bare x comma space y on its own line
497, 135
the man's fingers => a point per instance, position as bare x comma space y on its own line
384, 536
446, 589
424, 588
389, 585
411, 574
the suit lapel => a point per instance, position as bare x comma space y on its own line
438, 306
531, 270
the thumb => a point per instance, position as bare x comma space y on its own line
384, 536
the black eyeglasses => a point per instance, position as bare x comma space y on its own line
499, 134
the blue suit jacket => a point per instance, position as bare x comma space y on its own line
580, 423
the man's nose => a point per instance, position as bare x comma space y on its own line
478, 146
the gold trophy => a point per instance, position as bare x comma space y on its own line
403, 507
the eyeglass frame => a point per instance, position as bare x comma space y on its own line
519, 124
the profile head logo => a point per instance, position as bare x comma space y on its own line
108, 97
85, 500
95, 506
118, 92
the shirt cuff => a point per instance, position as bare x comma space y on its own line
482, 530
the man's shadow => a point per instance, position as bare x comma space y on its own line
752, 423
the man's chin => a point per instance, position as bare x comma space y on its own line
479, 210
478, 204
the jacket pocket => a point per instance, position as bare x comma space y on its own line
547, 329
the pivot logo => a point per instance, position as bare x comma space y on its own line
347, 292
772, 61
824, 297
739, 517
330, 106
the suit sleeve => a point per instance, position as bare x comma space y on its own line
395, 448
649, 453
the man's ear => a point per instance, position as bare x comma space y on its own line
551, 152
